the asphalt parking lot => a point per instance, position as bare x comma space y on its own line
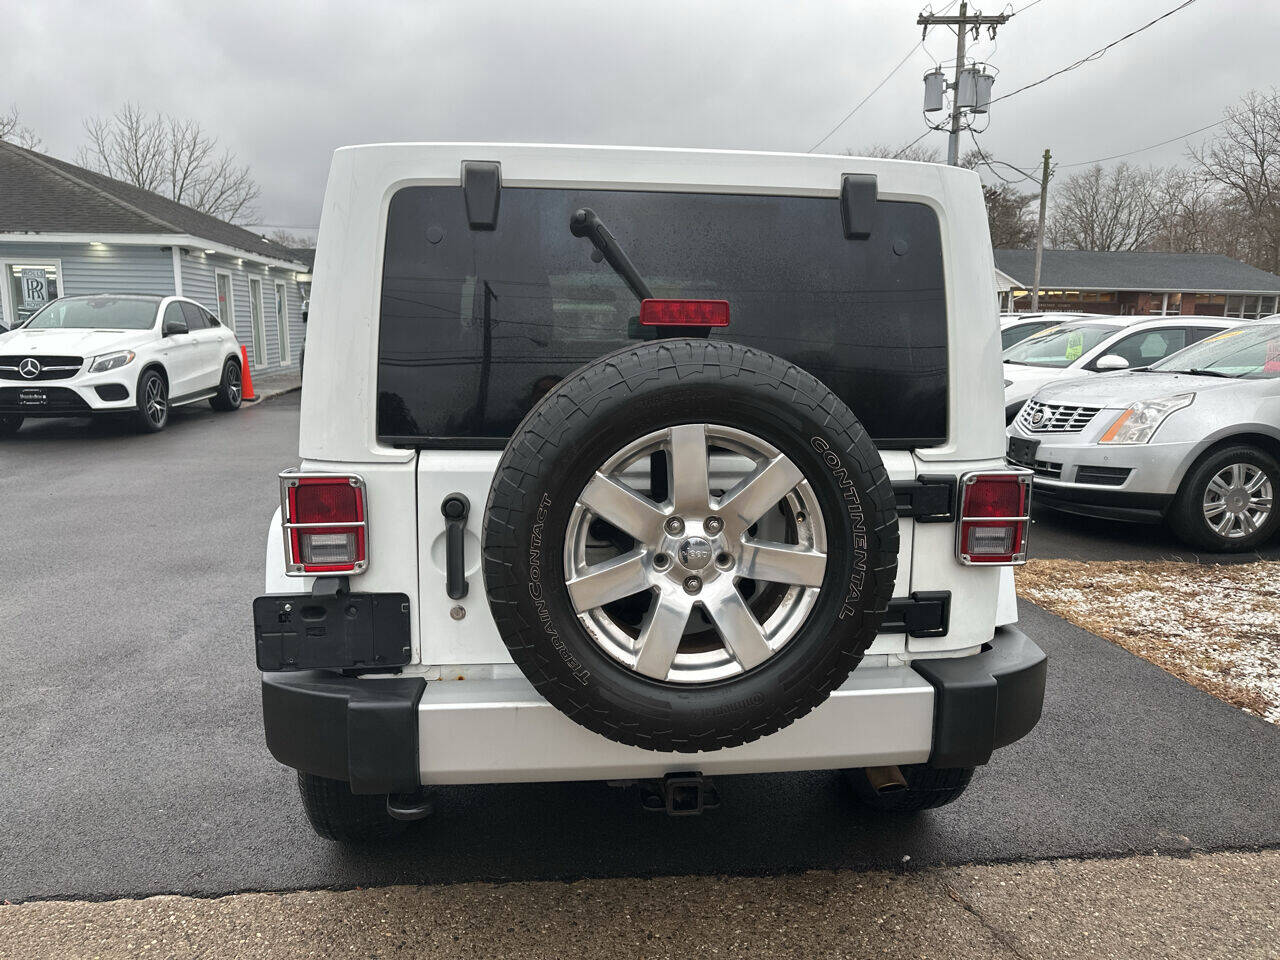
134, 761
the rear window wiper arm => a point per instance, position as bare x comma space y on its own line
585, 223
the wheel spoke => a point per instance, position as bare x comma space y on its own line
1221, 526
660, 635
690, 492
1219, 486
1213, 509
1247, 524
751, 499
1237, 474
1258, 480
783, 563
611, 580
738, 627
623, 507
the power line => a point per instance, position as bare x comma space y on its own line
1097, 54
914, 142
987, 161
848, 116
1117, 156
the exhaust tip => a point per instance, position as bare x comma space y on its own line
886, 780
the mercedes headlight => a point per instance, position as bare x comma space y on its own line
1140, 421
110, 361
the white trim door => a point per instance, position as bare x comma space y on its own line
282, 323
259, 329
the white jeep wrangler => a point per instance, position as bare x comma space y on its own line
644, 465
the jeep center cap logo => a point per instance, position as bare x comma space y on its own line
29, 368
695, 553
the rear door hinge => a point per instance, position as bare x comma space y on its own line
926, 613
927, 499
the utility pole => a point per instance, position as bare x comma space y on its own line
963, 23
1044, 196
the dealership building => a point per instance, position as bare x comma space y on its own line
1137, 282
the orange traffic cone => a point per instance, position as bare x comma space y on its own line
246, 378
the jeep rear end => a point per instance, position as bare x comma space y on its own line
631, 463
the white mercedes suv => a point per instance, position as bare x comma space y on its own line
133, 354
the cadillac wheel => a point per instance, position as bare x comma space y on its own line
689, 545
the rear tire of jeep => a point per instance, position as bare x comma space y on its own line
342, 816
729, 607
927, 788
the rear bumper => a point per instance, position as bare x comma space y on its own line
391, 735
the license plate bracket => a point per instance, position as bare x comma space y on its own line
1022, 450
343, 631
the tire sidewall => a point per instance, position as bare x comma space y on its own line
224, 399
143, 420
1191, 523
575, 673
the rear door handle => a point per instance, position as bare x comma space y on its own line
455, 509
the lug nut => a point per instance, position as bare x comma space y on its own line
692, 584
674, 526
713, 525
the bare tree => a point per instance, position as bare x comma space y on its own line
1099, 209
1244, 159
15, 131
911, 151
287, 238
170, 156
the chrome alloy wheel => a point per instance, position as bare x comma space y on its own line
233, 383
695, 553
1237, 501
155, 400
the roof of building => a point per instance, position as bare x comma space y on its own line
42, 194
1137, 270
305, 255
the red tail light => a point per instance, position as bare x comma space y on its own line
323, 516
684, 313
995, 514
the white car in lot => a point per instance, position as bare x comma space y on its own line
132, 354
1016, 327
1193, 440
1084, 347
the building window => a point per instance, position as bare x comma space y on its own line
259, 331
226, 301
282, 322
28, 286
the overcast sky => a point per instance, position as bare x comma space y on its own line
284, 83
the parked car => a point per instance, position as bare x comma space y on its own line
1016, 327
609, 483
104, 354
1084, 347
1193, 440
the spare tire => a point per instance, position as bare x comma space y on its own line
688, 544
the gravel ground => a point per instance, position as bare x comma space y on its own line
1213, 905
1217, 627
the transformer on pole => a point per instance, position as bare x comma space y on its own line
971, 89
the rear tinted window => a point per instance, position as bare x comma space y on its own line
477, 325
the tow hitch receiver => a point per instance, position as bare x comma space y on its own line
679, 794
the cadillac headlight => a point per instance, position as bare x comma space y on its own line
110, 361
1140, 421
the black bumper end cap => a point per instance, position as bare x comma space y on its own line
363, 731
985, 701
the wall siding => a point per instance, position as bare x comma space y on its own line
119, 268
